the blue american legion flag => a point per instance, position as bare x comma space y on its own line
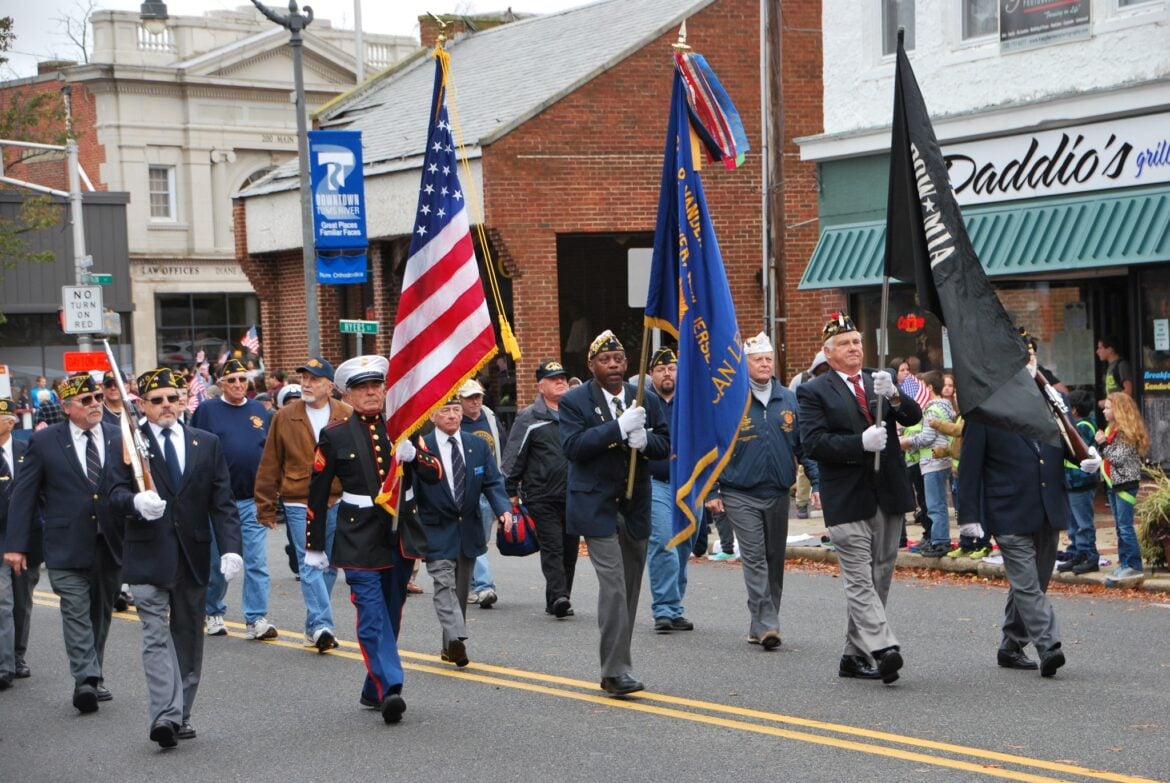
689, 298
251, 340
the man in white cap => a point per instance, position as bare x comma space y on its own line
753, 489
481, 421
841, 430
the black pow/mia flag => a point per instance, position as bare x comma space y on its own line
927, 244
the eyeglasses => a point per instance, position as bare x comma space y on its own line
237, 379
88, 399
171, 398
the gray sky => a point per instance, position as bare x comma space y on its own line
39, 34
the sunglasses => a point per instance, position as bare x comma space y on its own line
88, 399
171, 398
239, 379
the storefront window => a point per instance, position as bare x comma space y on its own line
211, 323
1153, 375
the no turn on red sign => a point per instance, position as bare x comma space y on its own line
81, 309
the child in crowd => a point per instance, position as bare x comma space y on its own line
1123, 443
1082, 491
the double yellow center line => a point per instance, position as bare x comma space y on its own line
1005, 766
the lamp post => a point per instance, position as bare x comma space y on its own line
295, 22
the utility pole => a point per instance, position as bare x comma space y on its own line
81, 260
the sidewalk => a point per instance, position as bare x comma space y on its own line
814, 528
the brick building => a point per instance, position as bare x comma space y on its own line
564, 119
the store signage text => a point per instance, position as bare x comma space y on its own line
1115, 154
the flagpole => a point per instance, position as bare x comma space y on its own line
883, 343
638, 399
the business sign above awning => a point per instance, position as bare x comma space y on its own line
1099, 156
1024, 24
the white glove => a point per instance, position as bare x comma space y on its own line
315, 558
637, 439
1032, 365
1093, 463
149, 505
632, 419
230, 565
406, 452
971, 530
883, 384
874, 438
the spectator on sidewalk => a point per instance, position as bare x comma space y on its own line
481, 421
1082, 491
1123, 443
1118, 372
936, 470
49, 411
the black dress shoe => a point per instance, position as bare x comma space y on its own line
85, 698
103, 693
620, 685
366, 701
889, 661
22, 670
6, 682
1014, 659
562, 608
186, 731
392, 708
858, 667
663, 625
457, 653
682, 624
163, 732
1050, 662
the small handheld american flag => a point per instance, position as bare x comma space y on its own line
251, 340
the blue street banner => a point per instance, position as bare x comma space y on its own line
339, 206
690, 299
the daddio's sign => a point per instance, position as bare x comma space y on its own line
1099, 156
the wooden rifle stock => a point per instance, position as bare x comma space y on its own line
1074, 447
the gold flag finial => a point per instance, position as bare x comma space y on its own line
681, 43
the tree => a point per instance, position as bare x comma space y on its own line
26, 115
75, 25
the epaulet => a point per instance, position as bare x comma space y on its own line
335, 424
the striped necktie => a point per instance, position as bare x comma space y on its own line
859, 393
93, 463
458, 471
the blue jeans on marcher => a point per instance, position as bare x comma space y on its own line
316, 586
256, 582
936, 485
1128, 552
481, 576
1082, 535
667, 567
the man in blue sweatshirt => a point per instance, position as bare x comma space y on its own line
242, 427
753, 489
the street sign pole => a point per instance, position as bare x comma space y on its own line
359, 343
80, 260
357, 329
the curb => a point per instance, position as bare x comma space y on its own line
963, 565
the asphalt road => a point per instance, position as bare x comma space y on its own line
528, 707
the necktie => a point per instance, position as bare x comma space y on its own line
5, 475
458, 471
859, 393
93, 463
618, 408
171, 457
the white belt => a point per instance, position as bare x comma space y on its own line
361, 501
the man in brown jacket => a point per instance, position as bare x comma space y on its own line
284, 473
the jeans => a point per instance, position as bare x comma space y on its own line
667, 567
316, 586
1129, 554
256, 582
1082, 535
935, 487
481, 577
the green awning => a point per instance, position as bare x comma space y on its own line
1052, 235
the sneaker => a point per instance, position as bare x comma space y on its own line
979, 554
1086, 566
802, 512
722, 556
215, 626
1064, 566
934, 551
955, 554
487, 599
1125, 572
473, 597
260, 630
323, 639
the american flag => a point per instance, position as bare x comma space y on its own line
917, 390
443, 333
251, 340
196, 391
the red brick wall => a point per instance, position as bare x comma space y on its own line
50, 169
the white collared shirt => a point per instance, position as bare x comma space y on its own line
445, 455
9, 456
81, 443
177, 439
621, 396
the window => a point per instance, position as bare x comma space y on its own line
162, 192
895, 14
980, 18
212, 323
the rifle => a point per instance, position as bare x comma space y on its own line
135, 452
1074, 447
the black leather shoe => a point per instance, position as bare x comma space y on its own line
1016, 659
163, 732
103, 693
6, 682
392, 708
366, 701
457, 653
889, 661
186, 731
1067, 565
1050, 662
682, 624
85, 698
620, 685
1087, 566
663, 625
562, 608
22, 670
857, 667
